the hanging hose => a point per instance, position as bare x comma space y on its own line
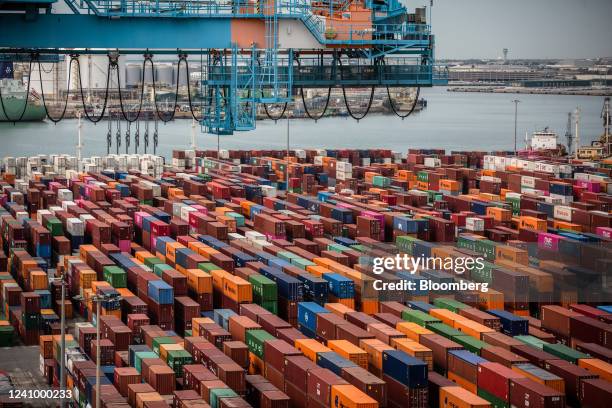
137, 137
118, 134
109, 135
173, 112
348, 109
326, 101
189, 90
25, 103
416, 99
108, 75
155, 138
127, 137
125, 116
42, 91
146, 136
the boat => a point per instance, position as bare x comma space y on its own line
13, 99
545, 142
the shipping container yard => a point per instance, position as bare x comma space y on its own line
235, 278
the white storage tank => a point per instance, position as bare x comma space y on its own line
133, 75
164, 75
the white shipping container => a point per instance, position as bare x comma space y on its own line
528, 181
562, 212
474, 224
63, 194
268, 191
343, 175
345, 167
75, 227
40, 214
255, 236
300, 154
185, 210
366, 161
318, 160
432, 162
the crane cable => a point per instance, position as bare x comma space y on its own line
25, 103
42, 91
416, 99
265, 105
173, 112
326, 101
108, 75
125, 116
348, 109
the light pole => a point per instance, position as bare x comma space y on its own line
577, 116
516, 102
62, 281
98, 300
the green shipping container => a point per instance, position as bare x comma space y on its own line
7, 335
337, 248
270, 305
287, 256
177, 359
566, 353
444, 330
238, 217
381, 181
470, 343
152, 261
264, 289
141, 355
217, 393
159, 269
158, 341
55, 227
358, 247
301, 263
486, 248
449, 304
495, 401
208, 266
188, 333
255, 340
531, 341
115, 276
418, 317
405, 243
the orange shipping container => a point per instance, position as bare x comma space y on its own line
446, 316
500, 214
414, 349
349, 396
199, 281
310, 348
597, 366
472, 328
491, 300
462, 382
458, 397
374, 348
540, 376
567, 226
339, 309
412, 330
532, 222
350, 352
237, 289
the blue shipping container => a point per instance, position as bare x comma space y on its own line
512, 325
160, 292
307, 314
334, 362
404, 368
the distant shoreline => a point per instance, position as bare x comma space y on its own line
532, 91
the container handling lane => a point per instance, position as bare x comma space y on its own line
246, 280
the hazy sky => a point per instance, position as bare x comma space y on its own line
528, 28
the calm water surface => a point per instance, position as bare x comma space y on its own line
451, 121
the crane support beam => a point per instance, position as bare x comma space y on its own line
89, 31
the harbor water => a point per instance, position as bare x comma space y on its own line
453, 121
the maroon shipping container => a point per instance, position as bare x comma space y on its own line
162, 378
501, 340
276, 351
361, 319
440, 346
596, 351
237, 351
595, 393
535, 356
589, 330
502, 356
556, 319
135, 389
367, 382
388, 318
320, 381
495, 379
525, 393
290, 335
572, 377
296, 371
436, 381
401, 396
352, 333
125, 376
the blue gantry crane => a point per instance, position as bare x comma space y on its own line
253, 51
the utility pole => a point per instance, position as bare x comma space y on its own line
516, 102
287, 169
63, 334
98, 352
577, 117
